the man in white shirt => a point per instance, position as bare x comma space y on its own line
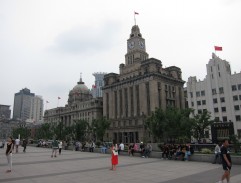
121, 147
17, 142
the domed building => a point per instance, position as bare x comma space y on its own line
81, 106
79, 93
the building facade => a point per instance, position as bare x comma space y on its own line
81, 106
22, 104
5, 111
36, 110
99, 83
141, 86
219, 93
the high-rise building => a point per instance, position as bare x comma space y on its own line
219, 93
28, 107
36, 109
141, 86
5, 111
99, 83
22, 104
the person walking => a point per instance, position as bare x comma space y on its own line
24, 145
114, 156
217, 152
226, 161
17, 142
55, 146
60, 146
9, 153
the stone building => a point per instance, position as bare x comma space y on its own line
219, 93
81, 105
5, 111
141, 86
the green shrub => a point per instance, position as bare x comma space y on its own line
206, 151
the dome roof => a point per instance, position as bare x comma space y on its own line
80, 88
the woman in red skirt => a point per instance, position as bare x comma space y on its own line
114, 156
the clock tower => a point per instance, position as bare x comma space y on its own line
136, 47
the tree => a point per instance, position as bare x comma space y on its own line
45, 131
170, 125
202, 122
81, 128
99, 127
22, 131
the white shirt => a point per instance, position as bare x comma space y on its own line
17, 141
121, 146
60, 144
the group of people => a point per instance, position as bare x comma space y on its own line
181, 151
143, 149
85, 146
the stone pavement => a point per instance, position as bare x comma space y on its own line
36, 166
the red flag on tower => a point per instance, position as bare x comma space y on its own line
136, 13
218, 48
59, 98
47, 101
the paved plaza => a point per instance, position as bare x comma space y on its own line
36, 166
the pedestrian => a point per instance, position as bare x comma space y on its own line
217, 154
226, 161
17, 142
114, 156
60, 146
24, 145
55, 146
121, 147
9, 150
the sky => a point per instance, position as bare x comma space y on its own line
46, 44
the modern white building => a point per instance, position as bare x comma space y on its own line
36, 110
219, 93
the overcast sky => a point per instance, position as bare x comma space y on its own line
46, 44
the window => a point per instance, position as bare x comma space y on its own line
239, 86
238, 118
239, 97
215, 109
223, 109
239, 134
236, 107
198, 94
225, 119
222, 99
214, 91
192, 103
235, 97
215, 101
234, 87
198, 102
191, 94
203, 93
199, 111
203, 102
221, 90
216, 119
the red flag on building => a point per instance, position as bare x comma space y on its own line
59, 98
218, 48
136, 13
47, 101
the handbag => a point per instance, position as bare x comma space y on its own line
115, 152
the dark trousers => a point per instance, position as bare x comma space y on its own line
60, 150
24, 148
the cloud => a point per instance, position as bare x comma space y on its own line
92, 39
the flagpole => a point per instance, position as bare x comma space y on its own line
58, 103
135, 17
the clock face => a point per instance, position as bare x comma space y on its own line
131, 44
142, 44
